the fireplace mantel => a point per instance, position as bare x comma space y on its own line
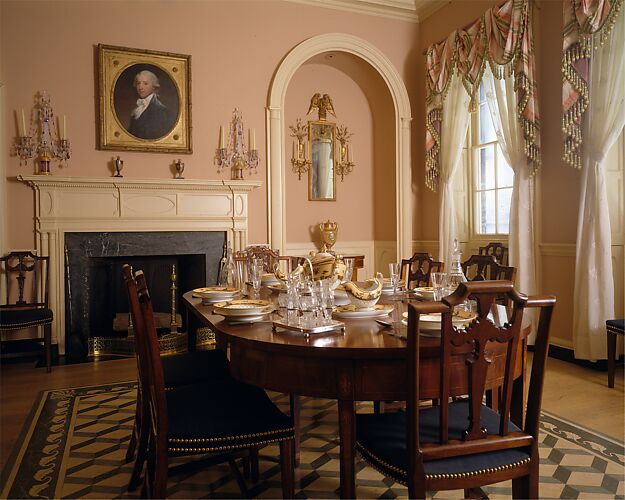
88, 204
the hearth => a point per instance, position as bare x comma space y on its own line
95, 293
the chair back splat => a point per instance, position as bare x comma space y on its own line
486, 267
25, 301
497, 250
462, 442
416, 270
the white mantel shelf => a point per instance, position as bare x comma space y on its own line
132, 183
109, 204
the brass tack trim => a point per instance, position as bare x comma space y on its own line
206, 449
369, 457
230, 438
19, 326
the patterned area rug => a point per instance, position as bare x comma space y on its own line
74, 441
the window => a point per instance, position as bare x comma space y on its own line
491, 176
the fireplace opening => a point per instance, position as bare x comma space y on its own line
96, 303
108, 307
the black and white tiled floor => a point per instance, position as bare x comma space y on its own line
77, 443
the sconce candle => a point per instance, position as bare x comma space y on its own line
23, 131
221, 136
64, 134
251, 138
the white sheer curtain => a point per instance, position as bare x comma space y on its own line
453, 135
502, 106
594, 286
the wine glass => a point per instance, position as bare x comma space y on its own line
349, 268
393, 268
256, 271
439, 285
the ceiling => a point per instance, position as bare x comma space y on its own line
407, 10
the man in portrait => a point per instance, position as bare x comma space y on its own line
150, 119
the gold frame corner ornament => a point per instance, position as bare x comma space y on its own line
118, 65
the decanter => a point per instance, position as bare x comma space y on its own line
227, 269
455, 276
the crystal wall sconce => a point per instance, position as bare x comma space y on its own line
234, 154
43, 137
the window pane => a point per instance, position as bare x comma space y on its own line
503, 210
505, 175
486, 169
486, 212
487, 132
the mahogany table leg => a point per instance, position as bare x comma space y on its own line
347, 434
295, 413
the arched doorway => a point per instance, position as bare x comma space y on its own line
276, 167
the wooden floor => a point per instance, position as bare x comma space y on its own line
572, 392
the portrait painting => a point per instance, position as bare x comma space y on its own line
145, 100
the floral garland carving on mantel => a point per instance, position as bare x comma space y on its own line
586, 23
502, 38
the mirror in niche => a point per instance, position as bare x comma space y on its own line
321, 175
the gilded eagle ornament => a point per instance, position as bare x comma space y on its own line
322, 104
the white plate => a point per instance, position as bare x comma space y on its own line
433, 321
243, 307
277, 287
345, 312
424, 292
216, 292
244, 319
214, 300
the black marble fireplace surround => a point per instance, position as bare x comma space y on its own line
94, 288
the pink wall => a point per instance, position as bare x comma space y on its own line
236, 47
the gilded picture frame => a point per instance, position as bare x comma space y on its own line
145, 100
322, 154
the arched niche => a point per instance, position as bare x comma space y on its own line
277, 163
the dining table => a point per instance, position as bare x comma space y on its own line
366, 361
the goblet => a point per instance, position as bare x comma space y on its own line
394, 273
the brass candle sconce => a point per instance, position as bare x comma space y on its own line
322, 149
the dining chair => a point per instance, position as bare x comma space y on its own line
25, 302
270, 259
613, 327
416, 270
179, 370
486, 267
497, 250
211, 417
461, 443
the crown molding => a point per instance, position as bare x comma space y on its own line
404, 10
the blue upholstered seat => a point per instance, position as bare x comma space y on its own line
27, 317
222, 415
381, 439
616, 326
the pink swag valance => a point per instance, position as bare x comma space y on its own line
582, 20
502, 37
